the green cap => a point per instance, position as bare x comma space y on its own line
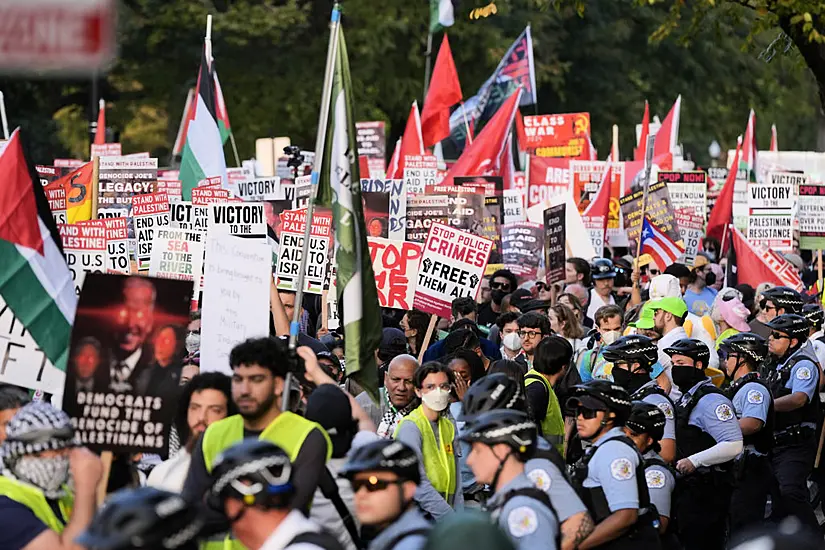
645, 320
671, 304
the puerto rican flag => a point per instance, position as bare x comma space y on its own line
659, 245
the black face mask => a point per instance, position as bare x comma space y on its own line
686, 377
631, 381
710, 278
498, 295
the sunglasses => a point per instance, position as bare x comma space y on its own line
587, 414
372, 484
778, 335
500, 286
655, 272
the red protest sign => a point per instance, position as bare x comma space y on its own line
548, 178
395, 264
563, 135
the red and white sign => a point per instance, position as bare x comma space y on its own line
56, 195
117, 245
172, 187
395, 264
563, 135
419, 173
84, 246
293, 225
548, 178
204, 196
106, 150
151, 212
68, 163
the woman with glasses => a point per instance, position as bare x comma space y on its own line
431, 432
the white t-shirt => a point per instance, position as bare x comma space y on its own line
170, 474
596, 302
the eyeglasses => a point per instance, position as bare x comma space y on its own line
431, 387
530, 333
371, 484
587, 414
655, 272
779, 336
500, 286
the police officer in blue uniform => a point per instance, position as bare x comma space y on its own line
740, 356
645, 426
794, 384
610, 477
502, 441
708, 439
635, 361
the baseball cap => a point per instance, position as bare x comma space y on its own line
393, 343
700, 261
645, 320
671, 304
519, 298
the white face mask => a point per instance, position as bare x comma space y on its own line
610, 336
437, 399
512, 341
192, 342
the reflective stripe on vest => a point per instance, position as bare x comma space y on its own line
33, 498
727, 334
439, 460
552, 426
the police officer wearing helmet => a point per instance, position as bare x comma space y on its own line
502, 441
794, 383
815, 316
740, 356
635, 367
775, 301
385, 475
545, 468
144, 518
610, 478
603, 274
708, 438
646, 426
252, 485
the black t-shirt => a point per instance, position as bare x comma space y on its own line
486, 316
537, 398
18, 525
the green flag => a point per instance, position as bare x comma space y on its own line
340, 187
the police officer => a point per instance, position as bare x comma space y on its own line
645, 426
635, 361
610, 478
708, 438
502, 441
794, 384
385, 475
740, 356
253, 486
144, 518
545, 468
815, 316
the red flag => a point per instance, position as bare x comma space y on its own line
520, 133
18, 204
722, 214
668, 135
484, 157
760, 265
100, 133
411, 142
639, 152
774, 140
444, 92
395, 160
508, 168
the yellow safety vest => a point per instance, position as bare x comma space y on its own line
552, 426
725, 335
288, 431
439, 459
33, 498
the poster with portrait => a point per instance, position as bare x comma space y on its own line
125, 359
376, 213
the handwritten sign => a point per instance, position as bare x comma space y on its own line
395, 264
398, 203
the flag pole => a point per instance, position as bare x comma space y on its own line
320, 143
427, 65
646, 183
466, 123
3, 116
234, 149
207, 39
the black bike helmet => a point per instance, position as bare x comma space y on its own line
690, 347
784, 297
745, 343
814, 314
387, 455
255, 471
144, 518
491, 392
647, 418
602, 268
513, 428
634, 348
795, 326
601, 395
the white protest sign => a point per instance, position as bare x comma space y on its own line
691, 230
261, 189
185, 215
514, 211
84, 246
688, 190
236, 301
150, 212
398, 203
117, 246
178, 254
452, 266
419, 172
771, 210
302, 191
239, 219
293, 224
811, 212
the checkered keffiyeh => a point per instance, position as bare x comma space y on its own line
35, 428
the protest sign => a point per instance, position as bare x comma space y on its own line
302, 191
48, 174
125, 359
205, 196
150, 212
740, 199
185, 215
172, 187
106, 150
397, 193
372, 145
657, 208
563, 135
771, 210
594, 225
419, 173
514, 211
547, 178
239, 219
211, 181
466, 211
117, 246
422, 212
376, 207
260, 189
811, 213
69, 163
56, 195
691, 230
555, 251
120, 179
688, 190
452, 266
84, 246
177, 254
522, 244
492, 214
236, 300
395, 264
293, 225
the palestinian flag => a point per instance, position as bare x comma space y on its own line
34, 279
442, 14
220, 109
339, 188
203, 149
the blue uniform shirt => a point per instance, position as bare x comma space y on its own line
664, 405
660, 485
752, 401
804, 378
613, 468
529, 524
714, 415
551, 480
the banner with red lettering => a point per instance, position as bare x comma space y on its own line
117, 246
547, 178
395, 264
204, 196
293, 224
559, 136
150, 212
56, 195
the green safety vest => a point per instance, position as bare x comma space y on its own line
725, 335
288, 431
552, 426
33, 498
439, 459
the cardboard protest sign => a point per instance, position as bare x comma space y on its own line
172, 187
84, 246
452, 266
397, 192
150, 213
771, 210
56, 195
236, 300
395, 264
205, 196
106, 150
563, 135
419, 173
117, 246
293, 225
260, 189
657, 208
688, 190
120, 179
691, 229
239, 219
422, 212
185, 215
372, 145
555, 222
547, 178
811, 212
514, 209
125, 359
522, 245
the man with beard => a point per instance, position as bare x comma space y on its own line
397, 397
134, 323
206, 399
669, 316
259, 368
502, 283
